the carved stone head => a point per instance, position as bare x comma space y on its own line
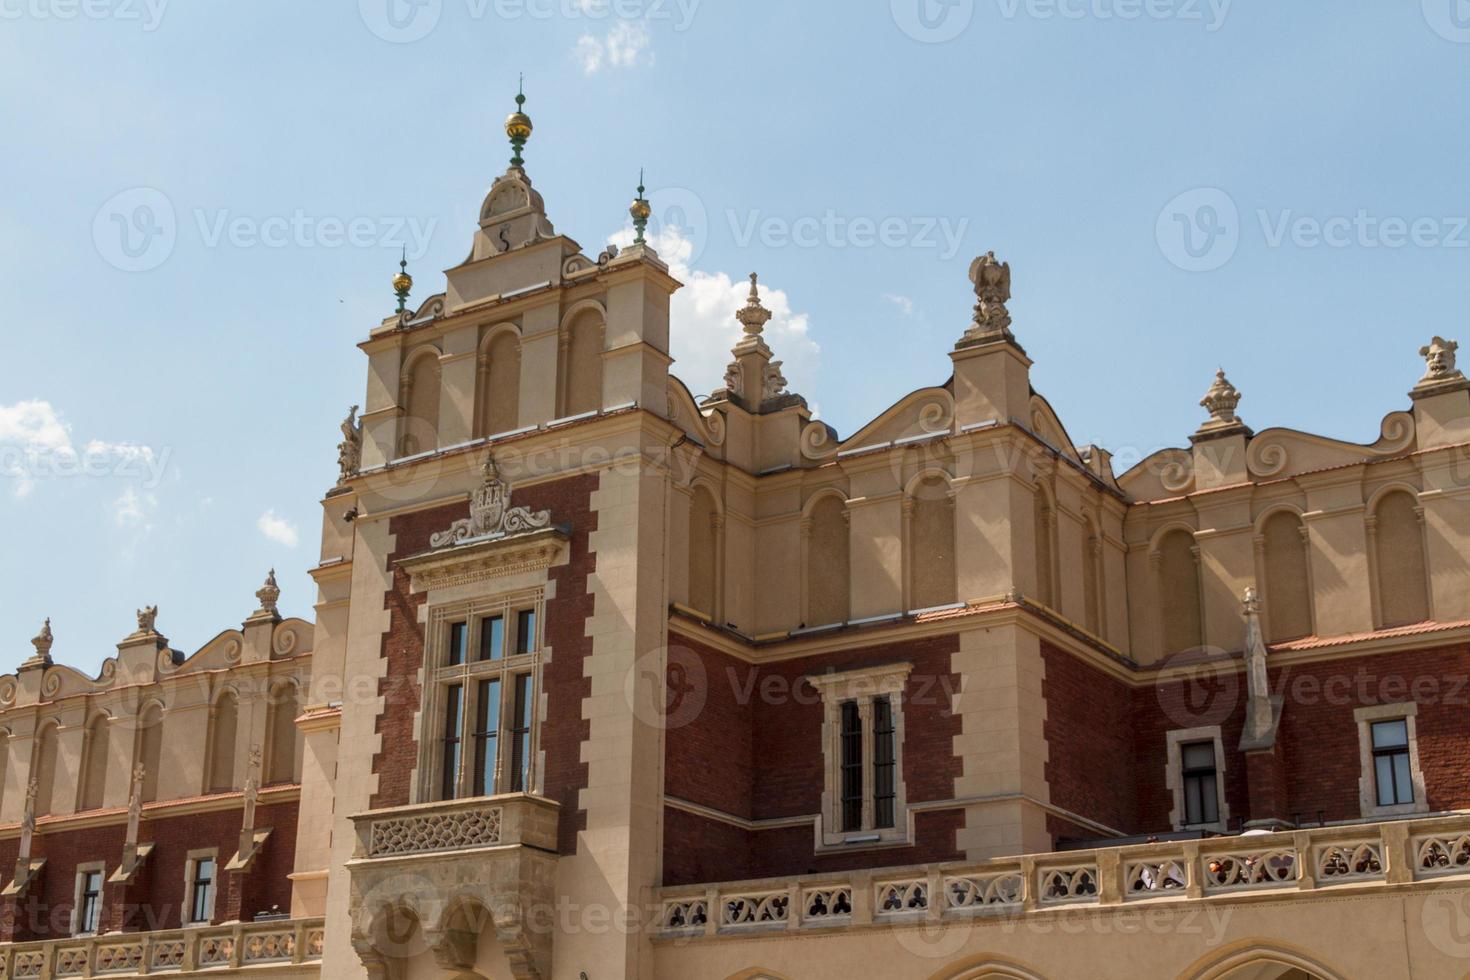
1439, 359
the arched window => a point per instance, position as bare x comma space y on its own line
1092, 588
284, 707
420, 400
1043, 515
223, 722
582, 390
931, 544
150, 749
704, 551
94, 771
1179, 592
44, 771
1403, 584
827, 550
498, 395
1288, 581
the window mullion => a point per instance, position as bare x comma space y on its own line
865, 725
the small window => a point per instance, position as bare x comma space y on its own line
520, 735
456, 644
201, 891
453, 718
884, 764
89, 903
525, 631
1201, 802
486, 735
1391, 769
852, 767
492, 638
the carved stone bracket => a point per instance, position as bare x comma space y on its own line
491, 513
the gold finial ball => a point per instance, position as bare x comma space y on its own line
640, 210
518, 126
402, 282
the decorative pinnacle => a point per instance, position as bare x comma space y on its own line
43, 641
402, 282
640, 211
753, 316
518, 125
1221, 401
269, 593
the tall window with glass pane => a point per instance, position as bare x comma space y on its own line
884, 764
852, 766
1201, 791
89, 904
201, 894
1391, 772
485, 690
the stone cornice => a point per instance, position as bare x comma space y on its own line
479, 561
162, 810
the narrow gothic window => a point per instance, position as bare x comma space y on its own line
1391, 762
1201, 803
852, 767
487, 731
884, 763
453, 719
201, 891
89, 903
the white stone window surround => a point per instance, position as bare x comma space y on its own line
99, 868
1174, 776
191, 874
438, 675
863, 685
1367, 780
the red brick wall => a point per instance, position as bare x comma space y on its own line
754, 750
156, 901
1089, 744
562, 730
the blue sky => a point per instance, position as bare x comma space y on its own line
858, 155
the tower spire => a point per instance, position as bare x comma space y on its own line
640, 211
402, 282
518, 126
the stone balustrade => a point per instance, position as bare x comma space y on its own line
455, 825
1340, 857
283, 944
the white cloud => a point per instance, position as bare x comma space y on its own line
36, 443
132, 508
627, 45
278, 529
703, 328
904, 304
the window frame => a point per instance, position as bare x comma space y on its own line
1174, 774
191, 880
860, 691
78, 913
1366, 717
441, 674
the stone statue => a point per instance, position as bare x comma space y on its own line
1259, 714
269, 593
252, 787
775, 382
147, 618
491, 513
349, 450
732, 379
1439, 361
42, 642
28, 818
135, 803
992, 280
